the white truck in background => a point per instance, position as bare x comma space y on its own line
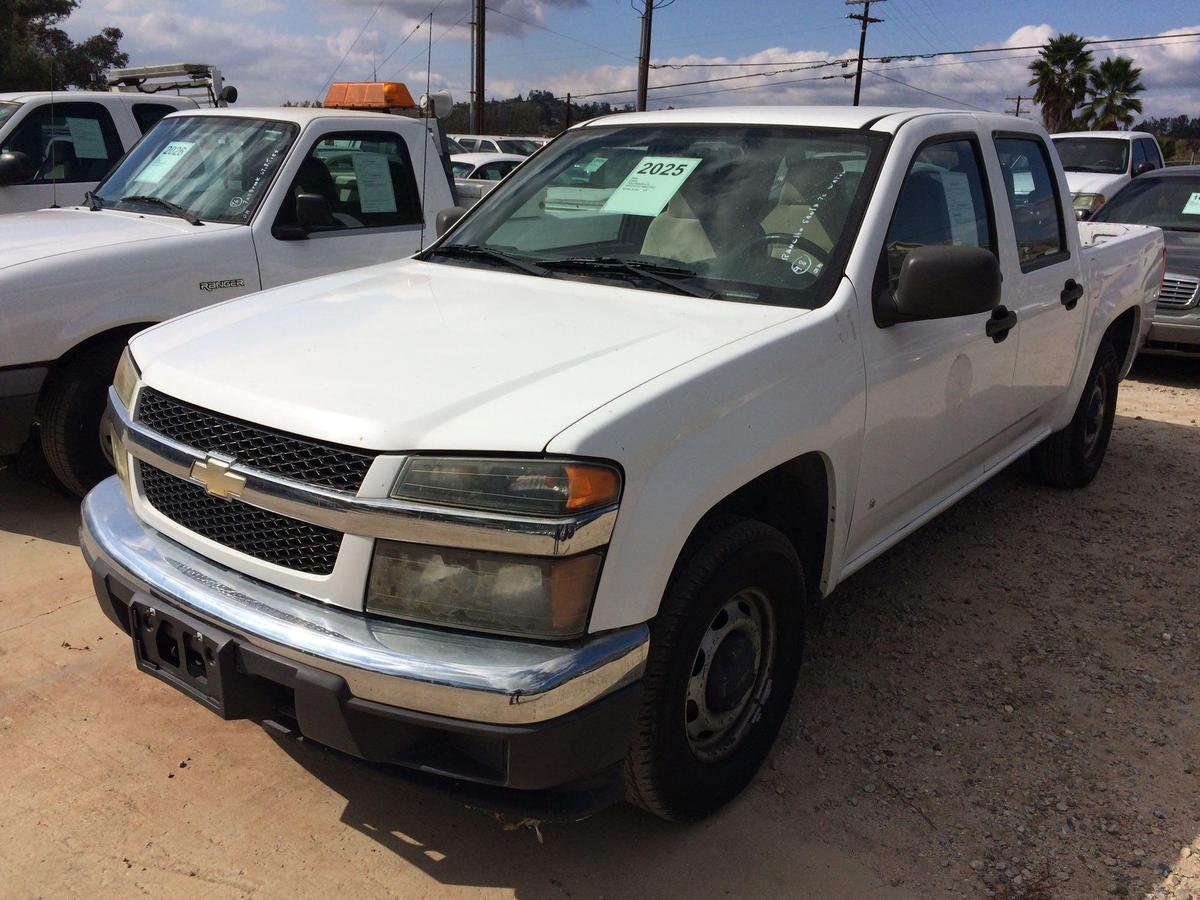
211, 204
546, 507
55, 146
1099, 163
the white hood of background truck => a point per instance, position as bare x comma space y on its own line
430, 356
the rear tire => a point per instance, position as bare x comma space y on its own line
1071, 458
724, 658
72, 408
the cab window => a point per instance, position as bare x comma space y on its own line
147, 115
494, 171
366, 179
1033, 199
68, 142
943, 202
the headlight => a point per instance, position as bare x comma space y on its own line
536, 487
493, 592
1090, 202
125, 381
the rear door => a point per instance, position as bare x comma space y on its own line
938, 391
1044, 284
372, 181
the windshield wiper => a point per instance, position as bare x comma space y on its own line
473, 251
668, 276
173, 208
93, 202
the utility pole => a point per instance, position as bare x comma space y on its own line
1017, 99
865, 18
567, 114
479, 100
648, 7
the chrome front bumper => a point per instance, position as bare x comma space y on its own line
456, 675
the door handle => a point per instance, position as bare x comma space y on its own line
1003, 321
1071, 293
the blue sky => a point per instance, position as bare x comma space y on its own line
286, 49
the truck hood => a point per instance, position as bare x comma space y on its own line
1183, 252
416, 355
1095, 183
30, 236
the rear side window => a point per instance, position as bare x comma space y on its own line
68, 142
147, 114
943, 202
494, 171
367, 178
1033, 198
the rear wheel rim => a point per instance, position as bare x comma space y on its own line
1096, 414
730, 678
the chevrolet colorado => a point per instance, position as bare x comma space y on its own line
547, 507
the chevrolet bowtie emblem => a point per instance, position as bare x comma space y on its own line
214, 474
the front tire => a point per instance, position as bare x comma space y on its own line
1071, 458
724, 658
72, 408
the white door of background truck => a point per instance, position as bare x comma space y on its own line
371, 180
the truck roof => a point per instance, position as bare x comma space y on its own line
68, 96
301, 115
1120, 135
875, 118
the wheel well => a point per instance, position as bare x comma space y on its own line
793, 497
1120, 334
121, 334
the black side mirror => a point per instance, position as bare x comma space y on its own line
229, 94
1142, 168
16, 167
312, 212
448, 218
941, 282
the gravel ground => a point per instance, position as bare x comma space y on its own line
1005, 704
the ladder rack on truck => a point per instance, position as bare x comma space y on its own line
202, 82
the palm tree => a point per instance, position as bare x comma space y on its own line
1112, 94
1060, 74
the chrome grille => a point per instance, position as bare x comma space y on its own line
277, 452
264, 535
1178, 291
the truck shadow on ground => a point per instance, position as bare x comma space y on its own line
30, 507
1005, 703
1169, 371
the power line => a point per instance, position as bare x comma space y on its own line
1155, 38
867, 19
508, 15
923, 91
362, 31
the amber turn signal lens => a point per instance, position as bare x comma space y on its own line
589, 486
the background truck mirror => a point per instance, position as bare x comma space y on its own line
448, 218
16, 167
940, 282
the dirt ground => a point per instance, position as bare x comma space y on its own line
1007, 703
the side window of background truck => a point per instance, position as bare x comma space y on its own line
69, 142
943, 201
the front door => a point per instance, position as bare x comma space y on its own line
372, 210
937, 390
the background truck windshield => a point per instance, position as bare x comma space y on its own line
749, 213
1171, 202
1105, 156
7, 109
215, 167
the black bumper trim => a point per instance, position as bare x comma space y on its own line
564, 767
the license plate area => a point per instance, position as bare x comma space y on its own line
190, 655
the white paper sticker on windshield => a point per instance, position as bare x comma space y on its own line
1192, 207
960, 207
595, 164
86, 136
168, 157
648, 189
376, 193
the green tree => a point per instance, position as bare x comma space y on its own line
35, 54
1060, 76
1113, 87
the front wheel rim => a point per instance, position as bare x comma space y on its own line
1095, 415
730, 678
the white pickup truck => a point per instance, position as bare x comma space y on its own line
212, 204
1099, 163
547, 507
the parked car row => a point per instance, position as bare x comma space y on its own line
544, 507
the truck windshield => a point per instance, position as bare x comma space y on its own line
1171, 202
519, 146
6, 110
1104, 156
216, 168
760, 214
